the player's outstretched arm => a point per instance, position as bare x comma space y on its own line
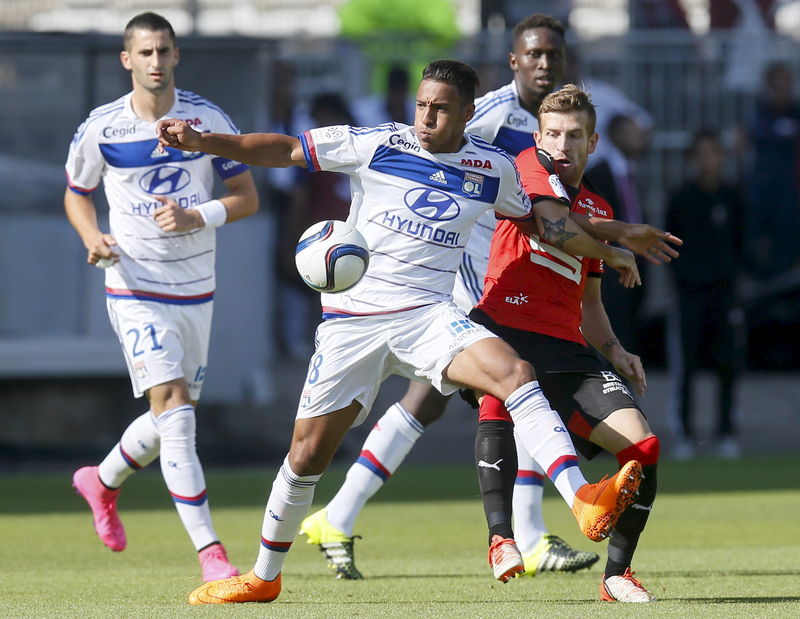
270, 150
647, 241
82, 214
596, 328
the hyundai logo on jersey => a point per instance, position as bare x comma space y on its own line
432, 204
164, 180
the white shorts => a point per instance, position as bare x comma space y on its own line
355, 355
162, 342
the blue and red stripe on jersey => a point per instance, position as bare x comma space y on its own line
158, 297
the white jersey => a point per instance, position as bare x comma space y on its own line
119, 148
415, 209
502, 121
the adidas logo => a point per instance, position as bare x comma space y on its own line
439, 177
158, 153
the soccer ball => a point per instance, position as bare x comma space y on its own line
331, 256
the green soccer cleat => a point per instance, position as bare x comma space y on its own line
335, 545
553, 554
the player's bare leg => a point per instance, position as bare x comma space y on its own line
314, 442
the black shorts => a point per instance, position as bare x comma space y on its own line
580, 386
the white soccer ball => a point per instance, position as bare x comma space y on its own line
331, 256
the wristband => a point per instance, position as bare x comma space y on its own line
213, 213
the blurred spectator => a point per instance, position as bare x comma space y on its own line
397, 105
773, 175
726, 14
614, 176
657, 14
313, 197
707, 330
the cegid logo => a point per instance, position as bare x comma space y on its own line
516, 121
396, 140
118, 132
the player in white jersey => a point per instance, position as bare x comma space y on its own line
506, 118
159, 259
416, 192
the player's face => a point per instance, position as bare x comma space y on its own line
537, 61
151, 57
566, 137
441, 117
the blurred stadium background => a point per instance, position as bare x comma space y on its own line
63, 384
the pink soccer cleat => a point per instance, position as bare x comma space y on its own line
103, 503
214, 563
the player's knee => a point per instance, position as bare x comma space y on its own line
521, 373
309, 457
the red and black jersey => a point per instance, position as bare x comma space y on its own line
530, 284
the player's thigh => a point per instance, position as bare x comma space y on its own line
151, 342
440, 344
349, 363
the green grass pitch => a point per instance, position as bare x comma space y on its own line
723, 541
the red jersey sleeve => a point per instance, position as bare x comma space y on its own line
538, 177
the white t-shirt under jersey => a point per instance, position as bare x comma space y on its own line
415, 209
119, 148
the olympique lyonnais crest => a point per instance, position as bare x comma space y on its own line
473, 184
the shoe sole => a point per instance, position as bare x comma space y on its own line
602, 526
511, 573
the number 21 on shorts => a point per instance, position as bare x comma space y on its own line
143, 340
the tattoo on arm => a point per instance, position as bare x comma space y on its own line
555, 232
609, 345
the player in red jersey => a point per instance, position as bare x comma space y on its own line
546, 303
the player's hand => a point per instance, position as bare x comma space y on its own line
172, 218
650, 243
177, 134
625, 262
630, 366
102, 251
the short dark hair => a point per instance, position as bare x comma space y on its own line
146, 21
455, 73
703, 135
569, 98
537, 20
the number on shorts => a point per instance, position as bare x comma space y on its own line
137, 339
313, 370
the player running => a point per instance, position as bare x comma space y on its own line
544, 301
415, 197
160, 278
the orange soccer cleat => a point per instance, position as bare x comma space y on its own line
625, 588
505, 558
245, 588
598, 506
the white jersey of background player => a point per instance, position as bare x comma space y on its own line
160, 287
115, 145
503, 122
416, 209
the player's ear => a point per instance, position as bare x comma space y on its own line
177, 55
469, 112
125, 59
512, 61
537, 137
593, 142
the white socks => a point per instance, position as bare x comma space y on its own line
545, 438
287, 505
384, 450
183, 473
529, 524
137, 448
